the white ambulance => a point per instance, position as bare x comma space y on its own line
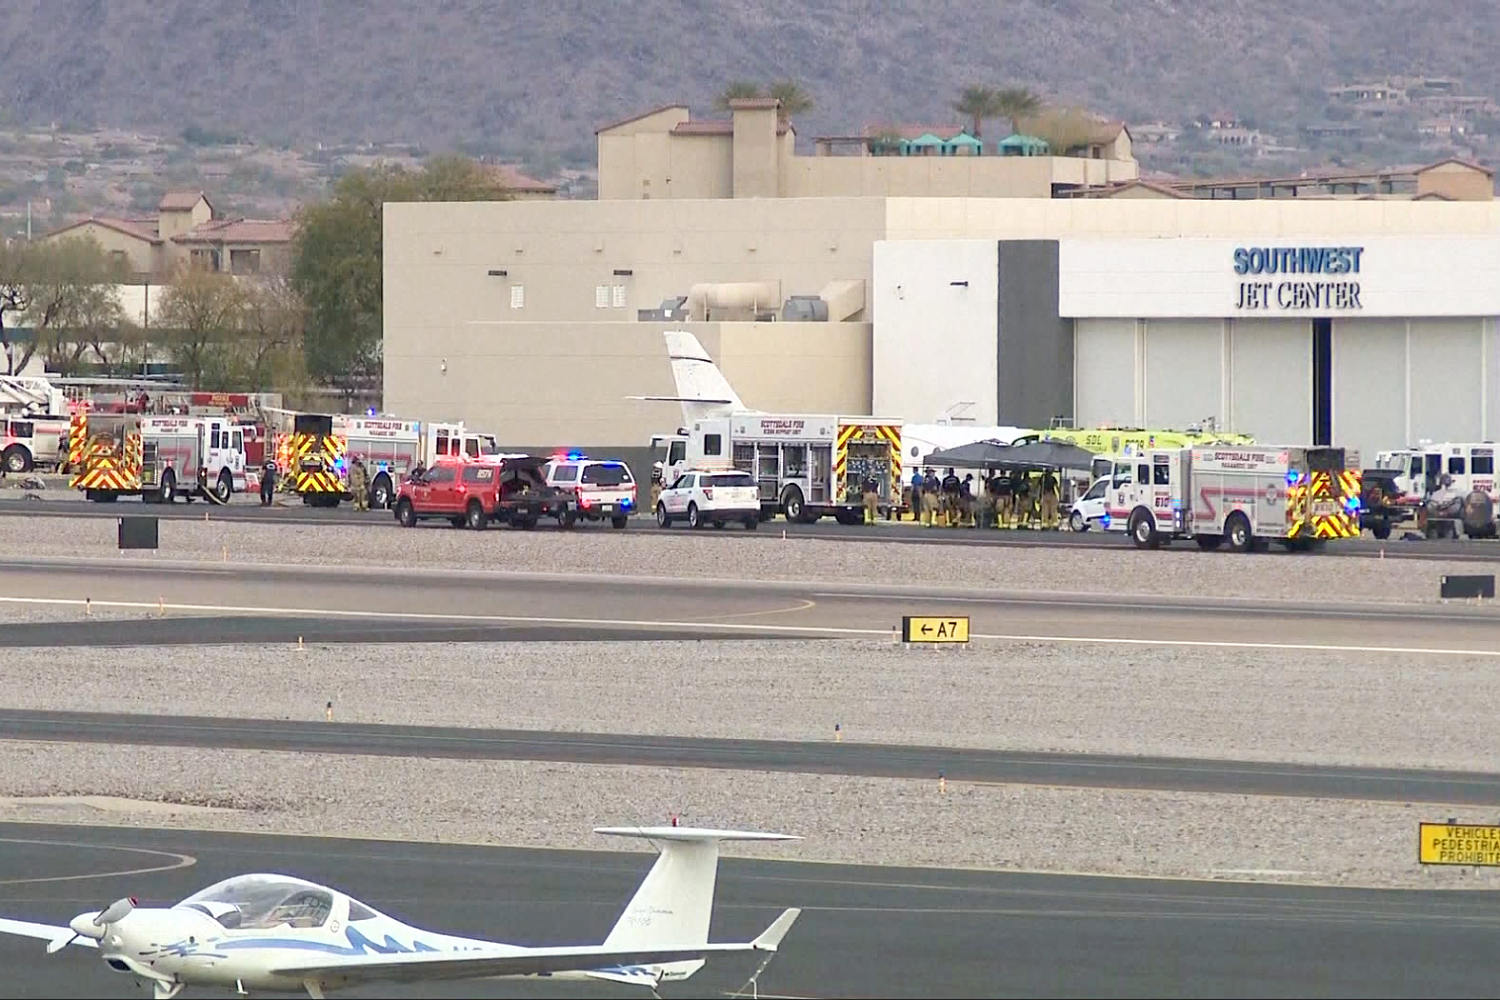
1239, 495
1421, 468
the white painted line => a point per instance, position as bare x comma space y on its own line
1310, 647
442, 617
1172, 603
733, 626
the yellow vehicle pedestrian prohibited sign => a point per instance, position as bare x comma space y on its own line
915, 628
1458, 844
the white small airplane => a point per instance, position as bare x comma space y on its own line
275, 932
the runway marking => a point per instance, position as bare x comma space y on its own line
801, 605
741, 626
1423, 613
182, 861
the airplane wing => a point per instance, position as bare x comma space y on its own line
44, 932
419, 966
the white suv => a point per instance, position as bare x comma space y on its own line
710, 496
1091, 509
604, 489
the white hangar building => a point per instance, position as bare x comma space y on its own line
1366, 340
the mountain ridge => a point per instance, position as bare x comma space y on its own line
518, 76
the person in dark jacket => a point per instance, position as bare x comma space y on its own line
267, 482
871, 497
950, 498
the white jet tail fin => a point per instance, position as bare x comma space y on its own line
674, 904
701, 386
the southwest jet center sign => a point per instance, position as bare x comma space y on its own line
1326, 278
1263, 277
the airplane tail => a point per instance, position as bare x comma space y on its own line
674, 904
702, 388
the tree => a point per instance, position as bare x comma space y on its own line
794, 100
1064, 129
978, 102
336, 259
271, 336
1016, 103
199, 319
737, 90
62, 292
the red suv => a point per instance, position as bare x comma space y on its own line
476, 492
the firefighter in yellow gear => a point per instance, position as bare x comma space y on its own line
950, 499
871, 497
1050, 499
929, 498
359, 485
1020, 499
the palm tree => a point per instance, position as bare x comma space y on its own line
978, 102
735, 91
1016, 103
794, 100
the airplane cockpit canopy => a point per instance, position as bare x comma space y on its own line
263, 901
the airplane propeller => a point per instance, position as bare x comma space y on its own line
93, 924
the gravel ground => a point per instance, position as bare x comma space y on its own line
1240, 704
643, 550
852, 820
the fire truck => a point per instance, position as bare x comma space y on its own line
1242, 496
1118, 440
806, 466
317, 449
33, 423
157, 458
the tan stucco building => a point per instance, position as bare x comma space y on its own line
537, 320
186, 231
665, 153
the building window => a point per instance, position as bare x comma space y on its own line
617, 296
518, 296
205, 260
601, 296
118, 258
244, 261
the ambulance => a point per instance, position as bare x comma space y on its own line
1240, 496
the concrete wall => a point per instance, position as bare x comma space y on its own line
438, 257
935, 342
565, 385
1055, 218
441, 301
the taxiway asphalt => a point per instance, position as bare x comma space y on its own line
865, 931
857, 759
278, 603
901, 532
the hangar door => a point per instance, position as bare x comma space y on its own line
1270, 379
1104, 372
1184, 383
